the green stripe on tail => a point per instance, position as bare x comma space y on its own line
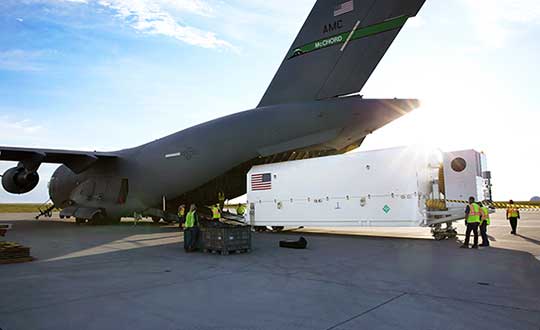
389, 25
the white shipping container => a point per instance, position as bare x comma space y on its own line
382, 188
464, 175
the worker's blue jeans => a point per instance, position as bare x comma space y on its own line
483, 233
190, 238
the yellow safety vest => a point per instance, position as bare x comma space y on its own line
485, 215
240, 210
181, 212
215, 213
474, 213
221, 196
512, 212
190, 220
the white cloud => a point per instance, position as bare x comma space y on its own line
250, 22
498, 20
21, 60
149, 16
193, 6
158, 17
10, 127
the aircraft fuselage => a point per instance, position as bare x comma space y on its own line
140, 178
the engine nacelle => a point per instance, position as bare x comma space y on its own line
18, 180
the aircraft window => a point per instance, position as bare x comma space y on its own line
458, 164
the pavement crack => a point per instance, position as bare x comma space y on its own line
368, 311
473, 301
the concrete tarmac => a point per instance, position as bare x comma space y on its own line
138, 277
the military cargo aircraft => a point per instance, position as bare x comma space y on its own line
311, 109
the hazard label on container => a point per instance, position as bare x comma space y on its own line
386, 209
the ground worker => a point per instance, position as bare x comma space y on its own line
240, 209
181, 215
472, 216
191, 229
136, 218
216, 214
221, 199
484, 223
512, 214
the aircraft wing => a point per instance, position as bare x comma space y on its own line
32, 158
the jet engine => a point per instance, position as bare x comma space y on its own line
19, 180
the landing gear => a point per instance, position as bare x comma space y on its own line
99, 219
156, 219
440, 233
260, 229
277, 228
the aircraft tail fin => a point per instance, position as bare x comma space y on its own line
337, 49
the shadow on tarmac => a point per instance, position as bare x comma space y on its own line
365, 279
56, 238
528, 239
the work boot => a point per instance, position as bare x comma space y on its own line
464, 246
475, 246
484, 244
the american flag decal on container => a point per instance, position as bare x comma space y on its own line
261, 181
344, 8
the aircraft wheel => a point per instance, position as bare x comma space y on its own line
97, 219
277, 228
62, 217
156, 219
260, 229
79, 221
439, 236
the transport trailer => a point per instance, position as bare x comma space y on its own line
397, 187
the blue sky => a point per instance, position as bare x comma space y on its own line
112, 74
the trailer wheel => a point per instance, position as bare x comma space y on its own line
79, 221
156, 219
439, 236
